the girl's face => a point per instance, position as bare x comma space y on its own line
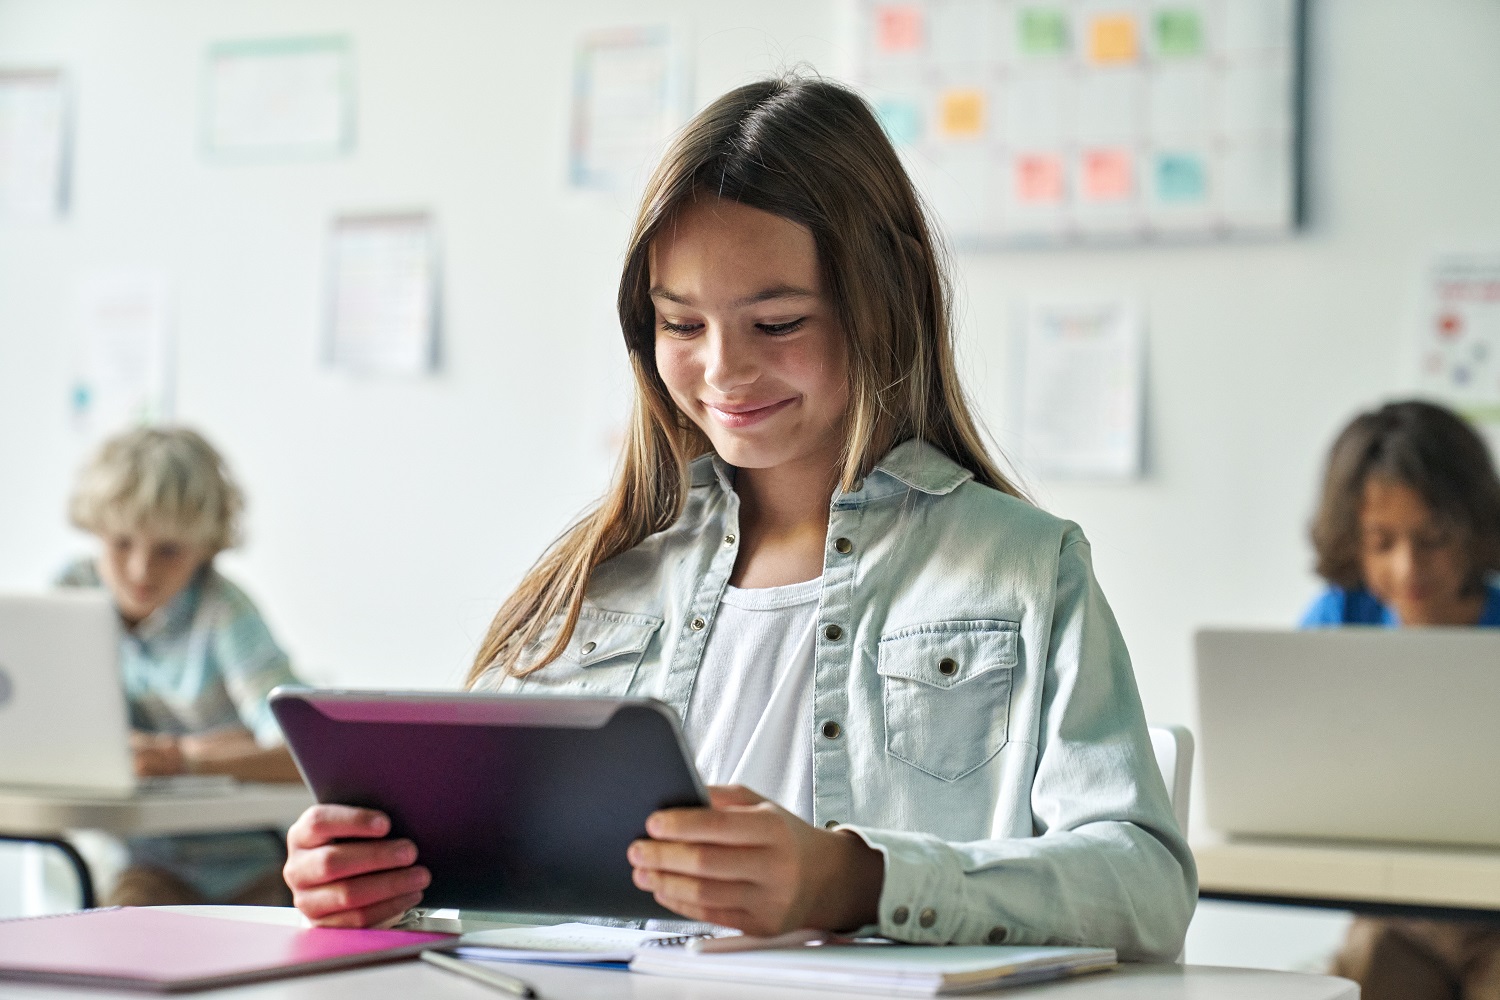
144, 570
1411, 561
746, 338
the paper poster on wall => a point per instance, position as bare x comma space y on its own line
123, 355
1082, 378
628, 97
383, 294
1070, 121
291, 97
1457, 346
33, 145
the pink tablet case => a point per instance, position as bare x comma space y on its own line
148, 949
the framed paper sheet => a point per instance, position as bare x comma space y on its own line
628, 95
279, 98
33, 145
383, 294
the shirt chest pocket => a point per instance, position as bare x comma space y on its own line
946, 691
601, 657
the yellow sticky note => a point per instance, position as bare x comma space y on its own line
1112, 39
961, 113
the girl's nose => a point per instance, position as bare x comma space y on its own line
727, 365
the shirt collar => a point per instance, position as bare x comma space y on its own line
175, 614
911, 465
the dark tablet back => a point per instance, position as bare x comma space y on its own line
522, 804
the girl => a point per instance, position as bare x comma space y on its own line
197, 659
1408, 533
809, 555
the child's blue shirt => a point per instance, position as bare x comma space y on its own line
1357, 606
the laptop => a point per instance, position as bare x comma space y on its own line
64, 723
1355, 733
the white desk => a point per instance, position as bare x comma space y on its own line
411, 979
1391, 878
45, 816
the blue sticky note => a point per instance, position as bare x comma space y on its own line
902, 121
1181, 177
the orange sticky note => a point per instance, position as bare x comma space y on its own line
1039, 179
1107, 175
961, 113
1112, 39
898, 28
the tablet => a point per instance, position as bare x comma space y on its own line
519, 804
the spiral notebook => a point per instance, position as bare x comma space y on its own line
142, 948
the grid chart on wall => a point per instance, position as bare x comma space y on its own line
1076, 121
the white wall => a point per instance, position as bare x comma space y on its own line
389, 517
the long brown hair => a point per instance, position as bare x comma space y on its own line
812, 152
1427, 448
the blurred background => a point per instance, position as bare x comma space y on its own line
476, 163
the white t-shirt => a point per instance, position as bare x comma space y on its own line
750, 718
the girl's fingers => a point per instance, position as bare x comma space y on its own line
362, 896
321, 824
676, 891
747, 827
382, 914
702, 860
724, 796
309, 867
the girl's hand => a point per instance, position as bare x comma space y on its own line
156, 754
747, 863
366, 883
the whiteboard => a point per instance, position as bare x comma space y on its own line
1068, 121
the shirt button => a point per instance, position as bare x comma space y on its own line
830, 824
947, 666
997, 935
927, 917
698, 624
589, 647
843, 545
831, 729
728, 539
834, 633
899, 915
859, 484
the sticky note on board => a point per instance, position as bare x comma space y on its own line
1107, 175
1113, 39
1040, 179
901, 119
1181, 177
961, 113
898, 28
1043, 31
1179, 32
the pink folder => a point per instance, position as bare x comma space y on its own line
148, 949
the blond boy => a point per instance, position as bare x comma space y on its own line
196, 657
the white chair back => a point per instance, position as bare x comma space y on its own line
1174, 756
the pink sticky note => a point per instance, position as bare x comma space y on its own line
1039, 179
898, 28
1107, 175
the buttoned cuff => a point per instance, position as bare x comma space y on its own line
921, 900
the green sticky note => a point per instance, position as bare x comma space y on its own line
1179, 33
1180, 177
902, 121
1044, 31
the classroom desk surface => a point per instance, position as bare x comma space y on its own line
416, 979
1403, 878
45, 813
45, 816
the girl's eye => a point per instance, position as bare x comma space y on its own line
781, 329
680, 329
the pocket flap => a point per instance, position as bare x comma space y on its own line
945, 654
601, 636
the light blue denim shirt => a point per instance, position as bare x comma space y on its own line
976, 719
